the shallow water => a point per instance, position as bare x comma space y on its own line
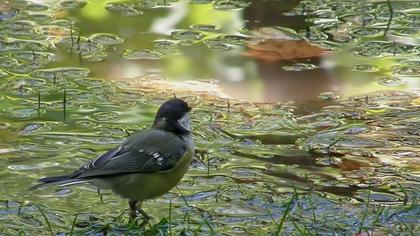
77, 77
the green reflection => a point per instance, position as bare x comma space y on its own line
76, 80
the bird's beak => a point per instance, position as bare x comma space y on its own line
185, 122
189, 108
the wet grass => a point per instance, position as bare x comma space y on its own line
365, 212
289, 210
267, 207
286, 212
73, 225
292, 219
47, 222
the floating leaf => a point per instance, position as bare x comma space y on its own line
206, 27
299, 67
365, 68
72, 4
124, 8
187, 35
216, 44
230, 4
61, 72
142, 54
106, 39
390, 81
232, 39
165, 46
37, 7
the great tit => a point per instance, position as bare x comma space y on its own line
148, 164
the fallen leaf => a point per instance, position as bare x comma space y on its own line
273, 44
276, 50
4, 7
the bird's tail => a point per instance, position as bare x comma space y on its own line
62, 180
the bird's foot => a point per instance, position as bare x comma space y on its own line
133, 214
135, 219
134, 207
144, 214
146, 217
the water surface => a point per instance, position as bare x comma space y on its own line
337, 122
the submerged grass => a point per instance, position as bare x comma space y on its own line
206, 222
289, 221
315, 213
311, 204
249, 127
73, 224
406, 197
65, 105
410, 231
170, 217
365, 213
286, 212
39, 103
391, 16
47, 222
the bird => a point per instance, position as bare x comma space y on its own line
146, 165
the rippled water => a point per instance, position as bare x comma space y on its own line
77, 77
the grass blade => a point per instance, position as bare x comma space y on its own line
64, 104
391, 15
202, 216
311, 203
408, 228
45, 218
364, 213
271, 215
170, 217
183, 197
301, 232
404, 192
73, 224
39, 102
285, 214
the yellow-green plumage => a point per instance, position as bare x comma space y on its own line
147, 165
138, 186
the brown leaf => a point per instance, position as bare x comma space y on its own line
349, 165
272, 50
5, 7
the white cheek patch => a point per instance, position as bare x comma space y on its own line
185, 122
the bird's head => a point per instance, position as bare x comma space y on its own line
173, 116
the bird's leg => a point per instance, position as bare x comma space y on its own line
143, 213
133, 208
100, 195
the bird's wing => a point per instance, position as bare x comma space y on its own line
149, 151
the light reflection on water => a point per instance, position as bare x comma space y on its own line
113, 68
236, 74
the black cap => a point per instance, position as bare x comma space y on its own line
169, 113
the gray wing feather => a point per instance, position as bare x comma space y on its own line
149, 151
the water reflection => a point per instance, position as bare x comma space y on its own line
188, 57
57, 109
